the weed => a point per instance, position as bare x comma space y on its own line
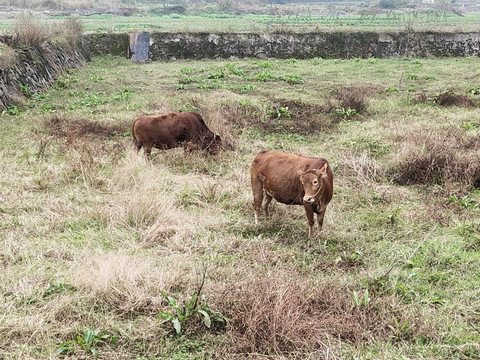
393, 216
196, 306
474, 90
218, 75
28, 31
88, 341
234, 69
400, 331
346, 113
392, 89
359, 301
471, 125
265, 76
26, 90
465, 202
14, 110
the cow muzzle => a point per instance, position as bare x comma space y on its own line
308, 200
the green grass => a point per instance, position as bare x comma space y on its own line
91, 235
260, 23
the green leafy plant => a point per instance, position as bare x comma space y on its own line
392, 217
392, 89
400, 330
234, 69
195, 307
465, 202
26, 90
218, 75
412, 76
474, 90
359, 301
471, 125
88, 341
13, 110
346, 113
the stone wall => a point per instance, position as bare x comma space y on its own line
35, 67
165, 46
39, 67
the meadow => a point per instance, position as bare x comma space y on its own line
105, 254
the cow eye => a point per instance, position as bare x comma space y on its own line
315, 182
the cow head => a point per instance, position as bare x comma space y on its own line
312, 181
214, 144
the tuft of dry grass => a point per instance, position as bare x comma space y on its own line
28, 31
127, 283
355, 98
361, 166
441, 157
280, 315
450, 98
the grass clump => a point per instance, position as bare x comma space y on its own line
441, 157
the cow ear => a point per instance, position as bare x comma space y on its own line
324, 169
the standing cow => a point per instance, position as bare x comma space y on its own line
184, 129
292, 180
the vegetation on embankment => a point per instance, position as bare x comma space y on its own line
103, 253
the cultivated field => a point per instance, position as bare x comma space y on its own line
104, 253
227, 16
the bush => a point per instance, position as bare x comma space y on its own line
448, 156
281, 315
28, 31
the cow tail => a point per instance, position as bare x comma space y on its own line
134, 137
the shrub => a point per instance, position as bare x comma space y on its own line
450, 98
448, 156
278, 315
28, 31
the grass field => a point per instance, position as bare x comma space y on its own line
325, 20
105, 254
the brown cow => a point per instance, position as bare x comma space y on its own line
292, 180
184, 129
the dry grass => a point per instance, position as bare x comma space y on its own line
91, 232
363, 168
450, 98
285, 316
440, 157
28, 31
8, 57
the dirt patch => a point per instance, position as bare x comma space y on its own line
450, 98
60, 127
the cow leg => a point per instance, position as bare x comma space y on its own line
320, 217
309, 213
266, 201
137, 148
147, 149
257, 190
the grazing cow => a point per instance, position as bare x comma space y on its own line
184, 129
292, 180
